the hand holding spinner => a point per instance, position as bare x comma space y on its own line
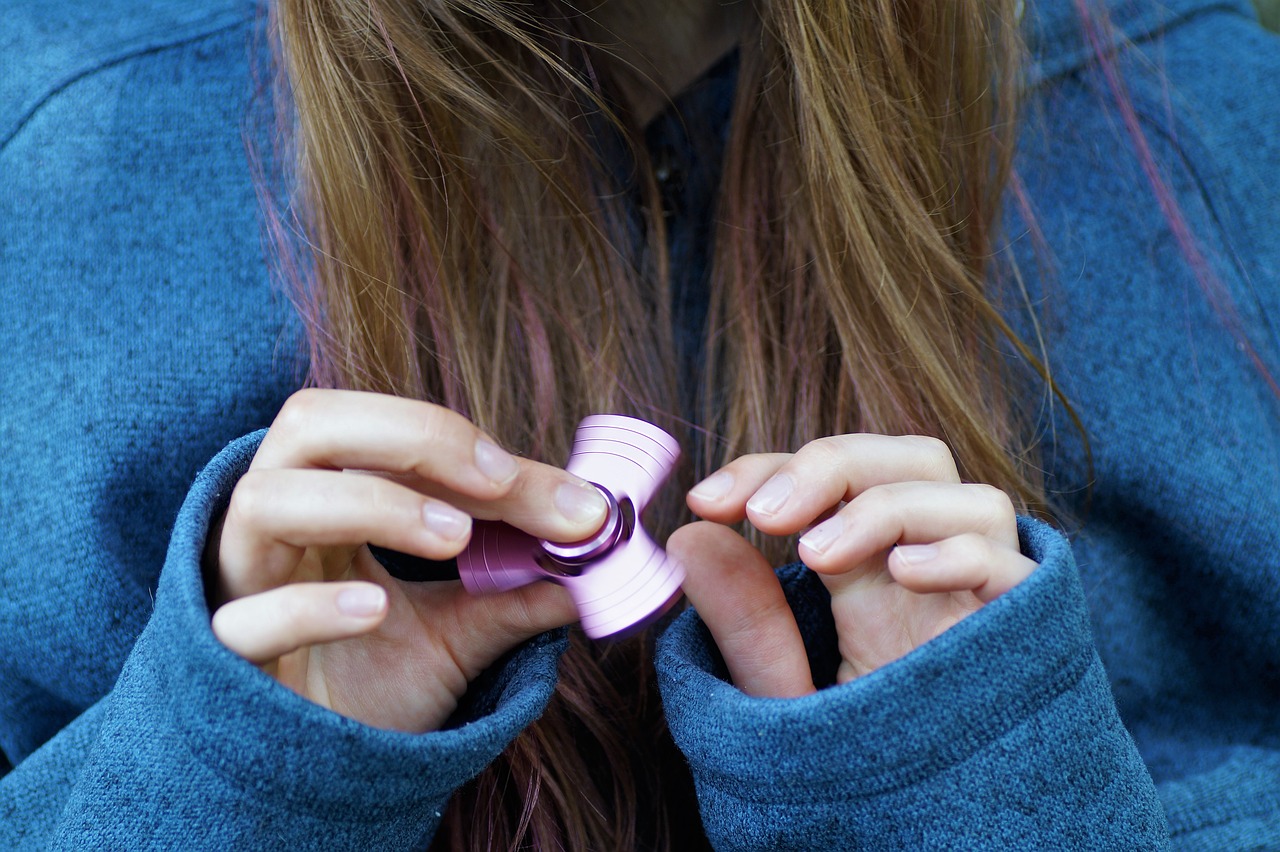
619, 578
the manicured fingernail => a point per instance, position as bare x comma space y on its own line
445, 521
714, 487
915, 554
580, 503
494, 462
821, 537
361, 601
769, 499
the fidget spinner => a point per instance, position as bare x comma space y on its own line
619, 578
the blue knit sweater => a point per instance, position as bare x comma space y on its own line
1127, 695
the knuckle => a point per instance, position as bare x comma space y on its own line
382, 497
745, 462
299, 410
876, 505
824, 453
447, 442
820, 464
970, 549
249, 499
757, 466
999, 505
521, 618
934, 456
509, 619
438, 424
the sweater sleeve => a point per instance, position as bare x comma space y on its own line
1002, 732
196, 748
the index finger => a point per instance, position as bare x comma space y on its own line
831, 470
437, 451
355, 430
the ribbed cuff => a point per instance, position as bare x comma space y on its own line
194, 731
1006, 718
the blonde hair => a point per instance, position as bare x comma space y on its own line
466, 244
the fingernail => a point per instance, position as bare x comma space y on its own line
361, 601
914, 554
714, 487
580, 503
494, 462
769, 499
445, 521
821, 537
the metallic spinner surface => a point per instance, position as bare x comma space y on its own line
619, 578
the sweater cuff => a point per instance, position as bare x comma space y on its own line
186, 703
999, 727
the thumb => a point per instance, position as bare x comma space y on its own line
491, 625
739, 598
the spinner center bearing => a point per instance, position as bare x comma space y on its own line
616, 528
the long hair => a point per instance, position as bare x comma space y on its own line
470, 241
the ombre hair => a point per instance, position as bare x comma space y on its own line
468, 243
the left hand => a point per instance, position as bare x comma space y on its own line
906, 550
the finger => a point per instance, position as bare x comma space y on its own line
274, 515
908, 513
434, 450
338, 430
968, 562
829, 470
740, 600
263, 627
481, 628
722, 496
544, 501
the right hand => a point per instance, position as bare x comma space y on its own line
298, 593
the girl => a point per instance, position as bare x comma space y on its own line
791, 234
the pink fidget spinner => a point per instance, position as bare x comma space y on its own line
619, 578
